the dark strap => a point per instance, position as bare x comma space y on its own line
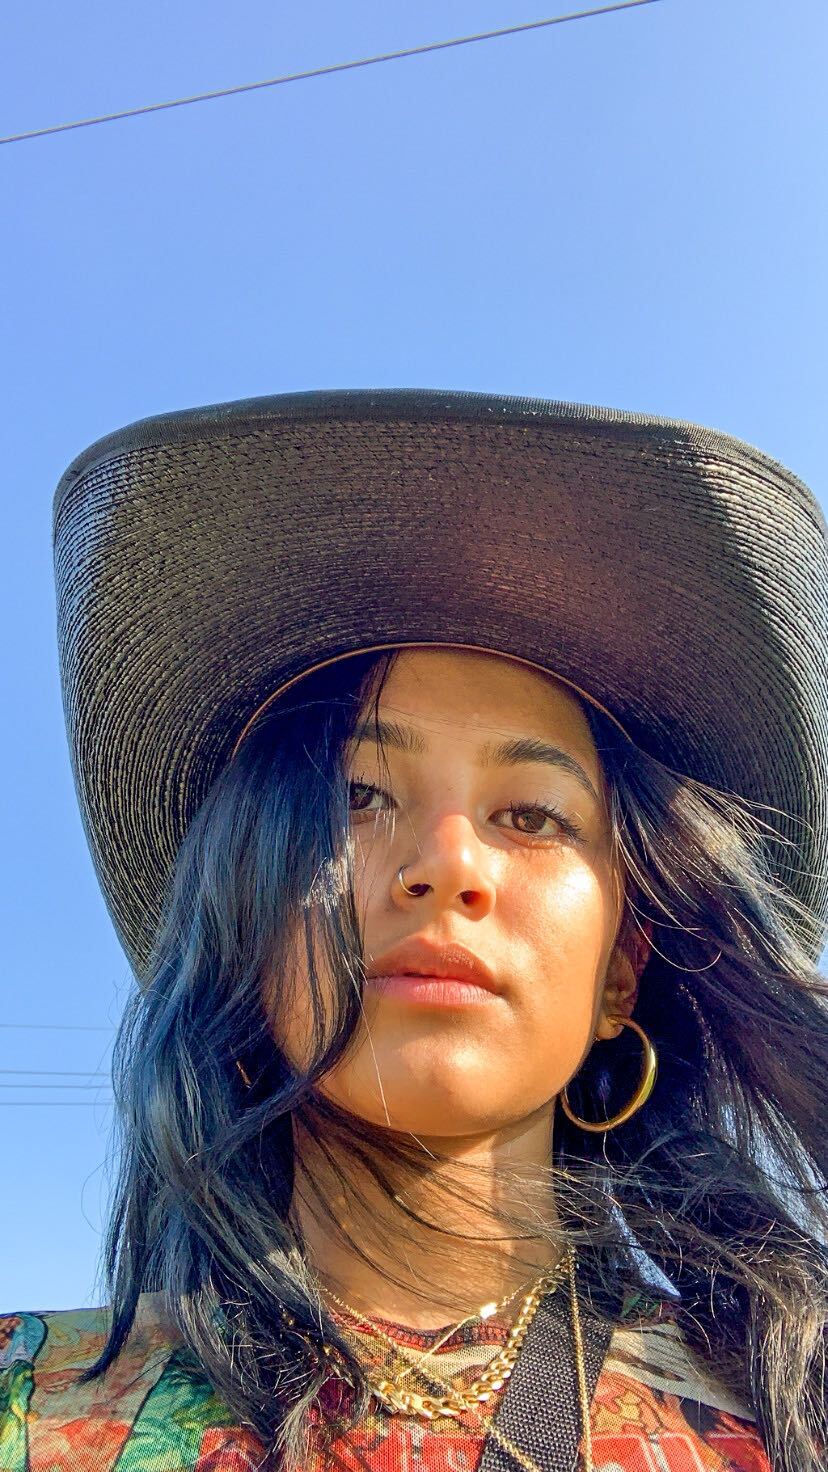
540, 1411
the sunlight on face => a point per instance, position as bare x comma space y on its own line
493, 800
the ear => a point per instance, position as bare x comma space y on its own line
629, 957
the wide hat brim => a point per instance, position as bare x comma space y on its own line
205, 558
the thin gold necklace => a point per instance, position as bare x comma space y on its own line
397, 1402
487, 1311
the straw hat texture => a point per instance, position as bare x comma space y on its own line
205, 558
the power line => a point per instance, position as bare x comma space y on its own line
53, 1027
55, 1103
326, 71
55, 1073
51, 1086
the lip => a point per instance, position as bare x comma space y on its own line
432, 991
427, 970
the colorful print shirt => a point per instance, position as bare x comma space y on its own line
655, 1408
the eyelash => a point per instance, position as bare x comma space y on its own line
570, 829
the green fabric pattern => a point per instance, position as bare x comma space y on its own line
167, 1432
16, 1386
21, 1338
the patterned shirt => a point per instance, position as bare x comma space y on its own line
655, 1408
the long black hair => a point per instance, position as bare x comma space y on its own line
718, 1183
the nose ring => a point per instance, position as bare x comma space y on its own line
419, 889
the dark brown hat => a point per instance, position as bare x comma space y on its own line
205, 558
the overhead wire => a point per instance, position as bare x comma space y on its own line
24, 1073
56, 1072
56, 1103
53, 1027
51, 1086
326, 71
58, 1088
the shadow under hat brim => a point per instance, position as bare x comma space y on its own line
205, 558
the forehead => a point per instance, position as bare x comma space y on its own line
450, 692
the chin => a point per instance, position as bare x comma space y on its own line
449, 1098
443, 1124
450, 1109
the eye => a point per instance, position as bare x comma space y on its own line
533, 820
361, 796
538, 820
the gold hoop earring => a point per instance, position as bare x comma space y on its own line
649, 1069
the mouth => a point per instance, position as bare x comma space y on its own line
431, 973
432, 991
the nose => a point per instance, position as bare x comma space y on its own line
450, 869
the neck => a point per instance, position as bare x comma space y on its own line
449, 1225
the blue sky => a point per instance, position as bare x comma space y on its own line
628, 210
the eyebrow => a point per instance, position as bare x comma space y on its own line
510, 753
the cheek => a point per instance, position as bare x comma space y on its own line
563, 929
571, 910
288, 1004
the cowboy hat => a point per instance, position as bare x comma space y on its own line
206, 558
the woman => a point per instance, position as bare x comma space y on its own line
455, 769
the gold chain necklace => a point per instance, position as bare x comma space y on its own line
456, 1403
398, 1401
488, 1311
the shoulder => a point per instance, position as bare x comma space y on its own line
56, 1344
653, 1349
153, 1402
654, 1388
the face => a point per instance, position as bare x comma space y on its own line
486, 986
